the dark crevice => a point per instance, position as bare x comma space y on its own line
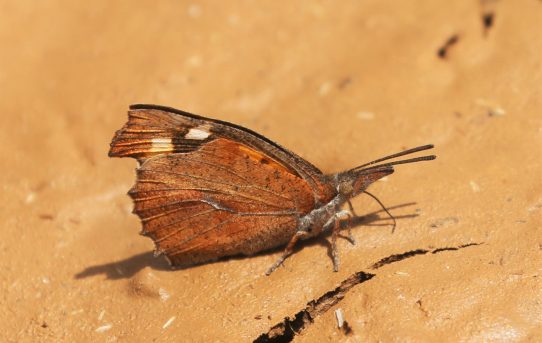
408, 254
398, 257
436, 251
289, 327
443, 51
487, 16
286, 330
488, 19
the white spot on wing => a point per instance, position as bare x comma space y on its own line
161, 144
161, 141
201, 132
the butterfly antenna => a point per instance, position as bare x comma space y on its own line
385, 209
399, 154
411, 160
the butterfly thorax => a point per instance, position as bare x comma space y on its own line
347, 185
319, 219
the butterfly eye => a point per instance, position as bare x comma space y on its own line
361, 184
345, 186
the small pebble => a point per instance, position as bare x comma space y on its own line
364, 115
168, 323
104, 328
474, 186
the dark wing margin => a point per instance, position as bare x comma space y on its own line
309, 166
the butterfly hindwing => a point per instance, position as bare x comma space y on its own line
219, 200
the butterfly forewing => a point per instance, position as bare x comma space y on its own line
202, 195
156, 130
152, 132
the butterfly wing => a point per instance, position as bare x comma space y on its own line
153, 130
206, 189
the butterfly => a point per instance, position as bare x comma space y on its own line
208, 189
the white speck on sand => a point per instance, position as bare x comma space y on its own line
194, 61
365, 115
164, 295
493, 110
324, 88
194, 11
474, 186
233, 19
496, 112
168, 323
340, 317
104, 328
30, 198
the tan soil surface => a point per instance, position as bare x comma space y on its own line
340, 83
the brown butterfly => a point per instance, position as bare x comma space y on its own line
207, 189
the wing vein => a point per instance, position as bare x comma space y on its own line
178, 222
167, 213
179, 247
248, 185
252, 199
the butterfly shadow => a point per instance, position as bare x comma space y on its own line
127, 268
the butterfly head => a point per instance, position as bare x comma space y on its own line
353, 182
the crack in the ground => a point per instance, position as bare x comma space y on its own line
286, 330
443, 50
408, 254
289, 327
488, 20
488, 9
398, 257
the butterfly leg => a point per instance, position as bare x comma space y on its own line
341, 215
334, 251
288, 251
350, 236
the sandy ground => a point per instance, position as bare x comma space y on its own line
339, 83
